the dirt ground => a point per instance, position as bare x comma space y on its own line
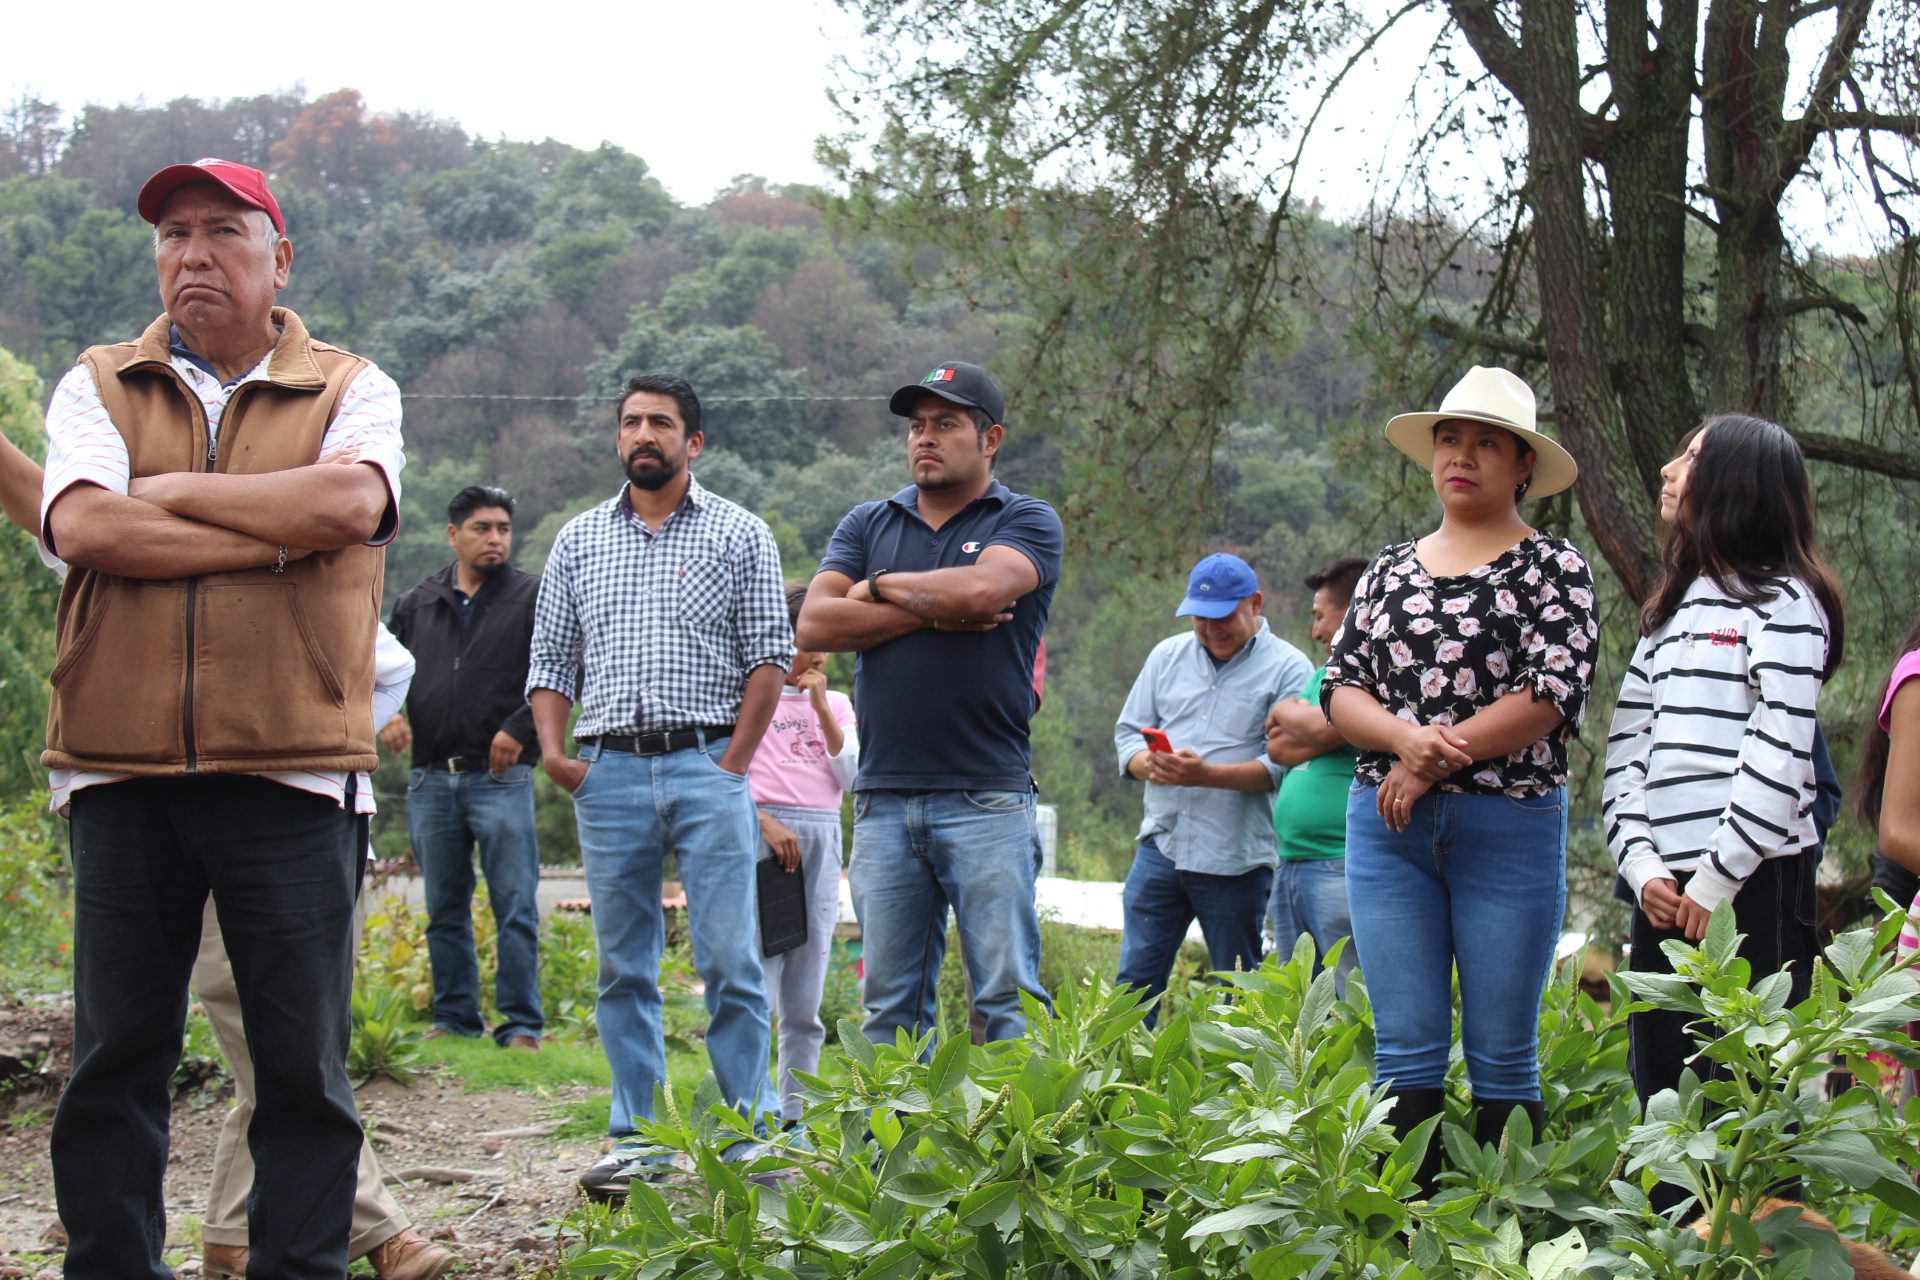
499, 1218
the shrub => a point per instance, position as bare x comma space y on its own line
383, 1043
36, 910
1245, 1138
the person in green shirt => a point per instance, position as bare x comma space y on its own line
1310, 815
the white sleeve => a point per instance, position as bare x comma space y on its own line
846, 765
1623, 792
83, 447
392, 674
1775, 779
368, 420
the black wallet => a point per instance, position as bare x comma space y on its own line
783, 907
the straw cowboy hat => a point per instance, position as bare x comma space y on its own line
1498, 398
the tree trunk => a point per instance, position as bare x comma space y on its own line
1617, 504
1645, 159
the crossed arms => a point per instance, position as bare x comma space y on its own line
841, 615
183, 524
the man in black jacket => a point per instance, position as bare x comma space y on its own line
473, 750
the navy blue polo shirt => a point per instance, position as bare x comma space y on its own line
947, 710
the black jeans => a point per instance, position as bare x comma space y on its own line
1777, 909
283, 867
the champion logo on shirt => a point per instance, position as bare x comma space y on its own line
969, 547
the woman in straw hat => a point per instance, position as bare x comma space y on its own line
1461, 673
1710, 792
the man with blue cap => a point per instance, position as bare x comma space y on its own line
1206, 846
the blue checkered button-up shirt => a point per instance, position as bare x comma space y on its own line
652, 630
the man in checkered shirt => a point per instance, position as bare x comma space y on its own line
661, 612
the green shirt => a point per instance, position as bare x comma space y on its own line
1310, 815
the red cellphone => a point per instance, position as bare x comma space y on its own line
1157, 741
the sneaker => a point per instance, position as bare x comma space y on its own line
526, 1043
606, 1179
409, 1257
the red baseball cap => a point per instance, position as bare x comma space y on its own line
249, 185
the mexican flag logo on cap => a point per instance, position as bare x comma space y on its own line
942, 374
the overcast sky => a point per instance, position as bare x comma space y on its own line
703, 92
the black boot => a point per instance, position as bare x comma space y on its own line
1411, 1107
1490, 1124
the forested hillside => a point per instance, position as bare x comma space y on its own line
510, 286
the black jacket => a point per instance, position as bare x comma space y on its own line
468, 684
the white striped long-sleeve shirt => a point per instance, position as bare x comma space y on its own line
1710, 757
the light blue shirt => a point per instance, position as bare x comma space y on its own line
1220, 711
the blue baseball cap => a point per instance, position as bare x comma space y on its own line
1216, 587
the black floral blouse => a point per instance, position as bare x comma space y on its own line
1437, 650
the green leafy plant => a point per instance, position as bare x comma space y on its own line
569, 976
1245, 1137
384, 1041
36, 910
1760, 1116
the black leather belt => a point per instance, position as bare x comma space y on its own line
458, 764
660, 742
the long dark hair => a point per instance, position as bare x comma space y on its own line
1870, 784
1746, 521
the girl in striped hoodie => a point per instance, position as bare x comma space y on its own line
1710, 779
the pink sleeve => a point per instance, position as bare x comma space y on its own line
842, 708
1903, 671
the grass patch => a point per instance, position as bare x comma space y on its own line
483, 1065
582, 1119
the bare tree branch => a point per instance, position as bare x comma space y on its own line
1834, 69
1488, 339
1859, 455
1498, 52
1822, 302
1879, 121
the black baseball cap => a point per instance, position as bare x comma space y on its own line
962, 383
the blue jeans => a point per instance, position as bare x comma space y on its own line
916, 852
1475, 881
447, 813
1310, 897
632, 812
1162, 901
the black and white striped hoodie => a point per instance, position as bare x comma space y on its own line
1710, 757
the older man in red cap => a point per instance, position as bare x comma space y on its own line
210, 727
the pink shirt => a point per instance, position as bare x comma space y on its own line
792, 766
1904, 670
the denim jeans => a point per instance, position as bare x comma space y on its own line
447, 813
283, 868
915, 853
1475, 881
1310, 898
632, 812
1161, 902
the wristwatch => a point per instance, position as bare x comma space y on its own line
873, 583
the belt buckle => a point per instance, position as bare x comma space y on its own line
453, 766
658, 743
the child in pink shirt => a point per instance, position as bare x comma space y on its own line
805, 762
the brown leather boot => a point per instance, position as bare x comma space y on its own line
224, 1260
409, 1256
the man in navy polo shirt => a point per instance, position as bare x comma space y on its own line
943, 591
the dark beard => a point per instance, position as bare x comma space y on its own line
488, 570
656, 476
